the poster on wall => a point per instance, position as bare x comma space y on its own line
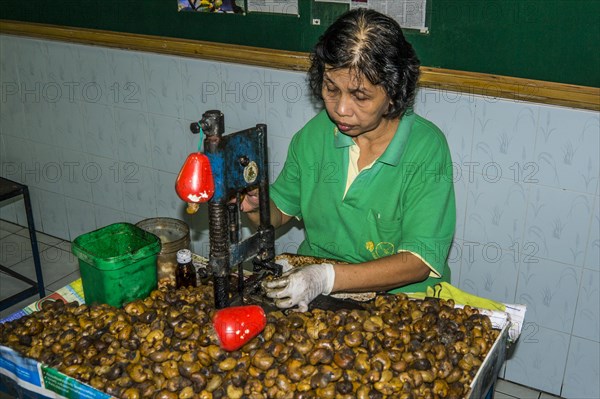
410, 14
274, 6
219, 6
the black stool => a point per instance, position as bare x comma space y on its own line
11, 189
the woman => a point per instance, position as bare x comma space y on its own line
371, 179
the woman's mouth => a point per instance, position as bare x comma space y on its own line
344, 128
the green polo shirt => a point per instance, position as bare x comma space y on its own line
403, 203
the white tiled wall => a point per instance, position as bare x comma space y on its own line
527, 192
99, 135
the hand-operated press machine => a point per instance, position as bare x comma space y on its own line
231, 165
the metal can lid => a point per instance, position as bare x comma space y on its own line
184, 256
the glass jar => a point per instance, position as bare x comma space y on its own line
174, 234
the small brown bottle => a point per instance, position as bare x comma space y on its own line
185, 275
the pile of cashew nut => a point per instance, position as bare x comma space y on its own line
164, 347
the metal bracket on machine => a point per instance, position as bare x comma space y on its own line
239, 164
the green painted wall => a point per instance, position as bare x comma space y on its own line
552, 40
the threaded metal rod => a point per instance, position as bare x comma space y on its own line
219, 254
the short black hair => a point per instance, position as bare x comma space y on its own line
372, 45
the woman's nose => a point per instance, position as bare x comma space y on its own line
343, 106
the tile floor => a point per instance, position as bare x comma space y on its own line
60, 267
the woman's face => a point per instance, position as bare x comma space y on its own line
354, 104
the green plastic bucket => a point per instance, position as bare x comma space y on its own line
117, 263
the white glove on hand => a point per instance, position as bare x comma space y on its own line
301, 285
285, 265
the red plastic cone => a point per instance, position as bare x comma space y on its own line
237, 325
195, 180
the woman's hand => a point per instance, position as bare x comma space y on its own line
250, 202
301, 285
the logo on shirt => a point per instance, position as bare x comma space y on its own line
380, 249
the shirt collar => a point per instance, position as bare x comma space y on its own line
393, 152
340, 140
